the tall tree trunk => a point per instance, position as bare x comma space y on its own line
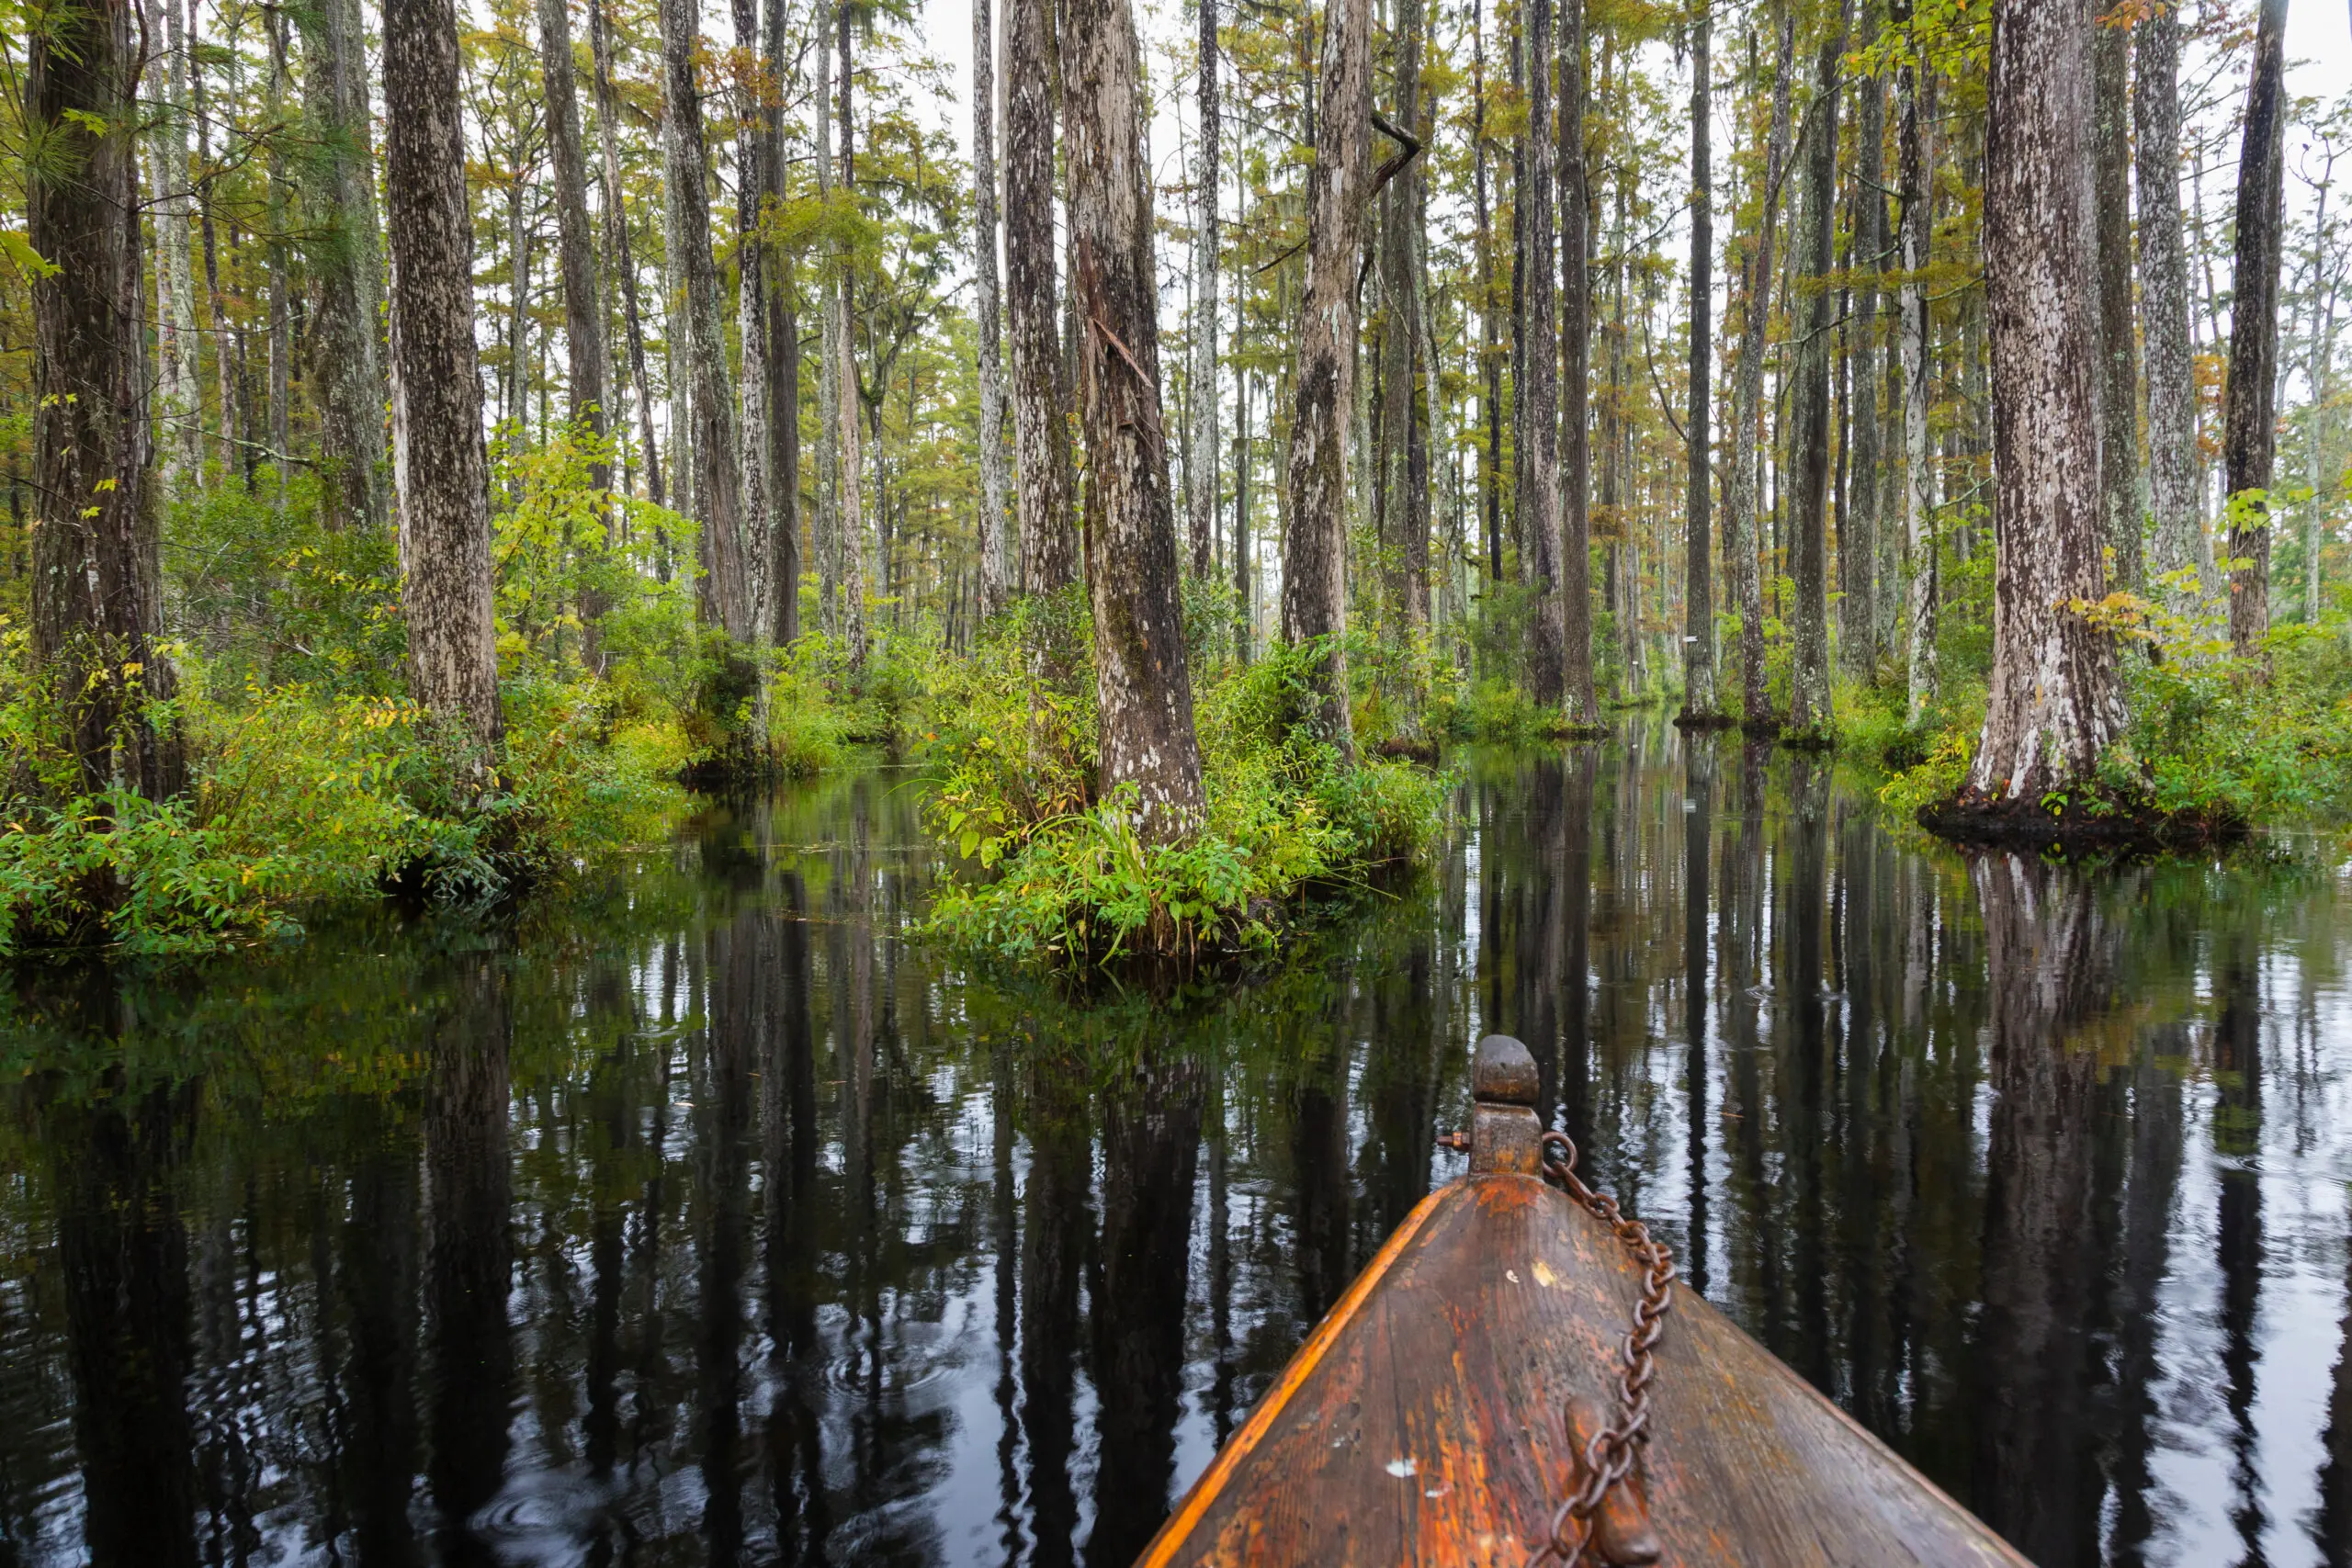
1572, 399
1809, 706
1918, 480
2055, 699
97, 601
751, 331
1314, 547
783, 356
584, 310
175, 342
1040, 383
1405, 606
995, 479
281, 282
2321, 370
828, 359
1490, 351
848, 397
1204, 296
619, 254
1143, 689
724, 589
232, 387
515, 408
677, 330
1245, 564
2250, 433
1536, 399
2119, 469
440, 470
1699, 583
1742, 515
574, 253
1858, 517
347, 257
2173, 479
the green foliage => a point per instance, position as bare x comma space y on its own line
2211, 737
2216, 737
1492, 713
1064, 875
300, 797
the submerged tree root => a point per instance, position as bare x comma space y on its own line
2080, 825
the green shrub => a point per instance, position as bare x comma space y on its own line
298, 797
1492, 713
1064, 875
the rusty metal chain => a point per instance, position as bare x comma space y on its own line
1609, 1453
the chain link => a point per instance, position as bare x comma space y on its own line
1611, 1452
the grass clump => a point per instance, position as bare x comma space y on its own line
1057, 870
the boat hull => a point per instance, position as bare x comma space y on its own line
1422, 1421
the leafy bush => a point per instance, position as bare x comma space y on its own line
298, 797
1492, 713
1287, 820
2211, 737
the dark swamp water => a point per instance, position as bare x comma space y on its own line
707, 1219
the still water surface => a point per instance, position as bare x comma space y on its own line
707, 1219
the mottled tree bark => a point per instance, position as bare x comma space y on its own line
281, 284
1575, 346
826, 531
724, 589
750, 332
2119, 469
1919, 480
1537, 389
1404, 590
1809, 702
995, 479
1742, 517
2250, 425
1490, 350
848, 398
347, 257
782, 358
2055, 700
1040, 384
1143, 689
96, 603
441, 473
2163, 294
1699, 582
1314, 547
1203, 486
1857, 519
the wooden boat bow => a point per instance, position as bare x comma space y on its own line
1423, 1419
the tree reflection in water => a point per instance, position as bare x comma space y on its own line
708, 1218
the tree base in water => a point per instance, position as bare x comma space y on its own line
1565, 729
1809, 739
2082, 823
1412, 748
1687, 719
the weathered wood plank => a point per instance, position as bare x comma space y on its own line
1421, 1423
